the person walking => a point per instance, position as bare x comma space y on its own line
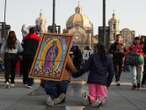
135, 60
101, 71
10, 49
117, 50
30, 44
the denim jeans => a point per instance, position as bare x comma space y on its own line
136, 74
55, 88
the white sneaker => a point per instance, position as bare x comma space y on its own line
49, 101
59, 99
7, 85
12, 85
27, 86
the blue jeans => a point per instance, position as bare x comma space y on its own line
55, 88
136, 74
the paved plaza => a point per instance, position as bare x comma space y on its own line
120, 98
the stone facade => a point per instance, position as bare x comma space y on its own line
128, 36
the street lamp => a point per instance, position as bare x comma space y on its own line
104, 22
5, 9
3, 33
54, 28
53, 19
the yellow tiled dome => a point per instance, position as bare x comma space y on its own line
79, 19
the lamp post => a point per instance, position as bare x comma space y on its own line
54, 28
53, 19
4, 20
104, 22
5, 9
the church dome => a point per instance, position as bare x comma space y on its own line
79, 19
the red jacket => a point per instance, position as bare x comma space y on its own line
32, 36
138, 49
30, 44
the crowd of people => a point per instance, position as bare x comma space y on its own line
100, 65
12, 51
130, 59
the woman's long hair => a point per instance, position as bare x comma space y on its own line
11, 40
100, 50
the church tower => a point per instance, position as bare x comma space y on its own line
41, 23
114, 27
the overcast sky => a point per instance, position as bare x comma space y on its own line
130, 12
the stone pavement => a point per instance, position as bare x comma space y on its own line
120, 98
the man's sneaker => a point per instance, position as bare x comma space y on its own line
138, 86
49, 101
7, 85
12, 85
134, 87
59, 99
28, 86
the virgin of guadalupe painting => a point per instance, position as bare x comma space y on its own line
50, 58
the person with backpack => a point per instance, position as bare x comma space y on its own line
135, 60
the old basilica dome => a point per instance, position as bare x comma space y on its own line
80, 27
79, 19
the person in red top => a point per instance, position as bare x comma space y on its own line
30, 44
136, 69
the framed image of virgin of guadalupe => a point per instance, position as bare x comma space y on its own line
50, 59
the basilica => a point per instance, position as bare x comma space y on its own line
80, 26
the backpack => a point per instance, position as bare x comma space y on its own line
134, 59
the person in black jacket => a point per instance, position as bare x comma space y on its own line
77, 56
101, 71
30, 44
117, 50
